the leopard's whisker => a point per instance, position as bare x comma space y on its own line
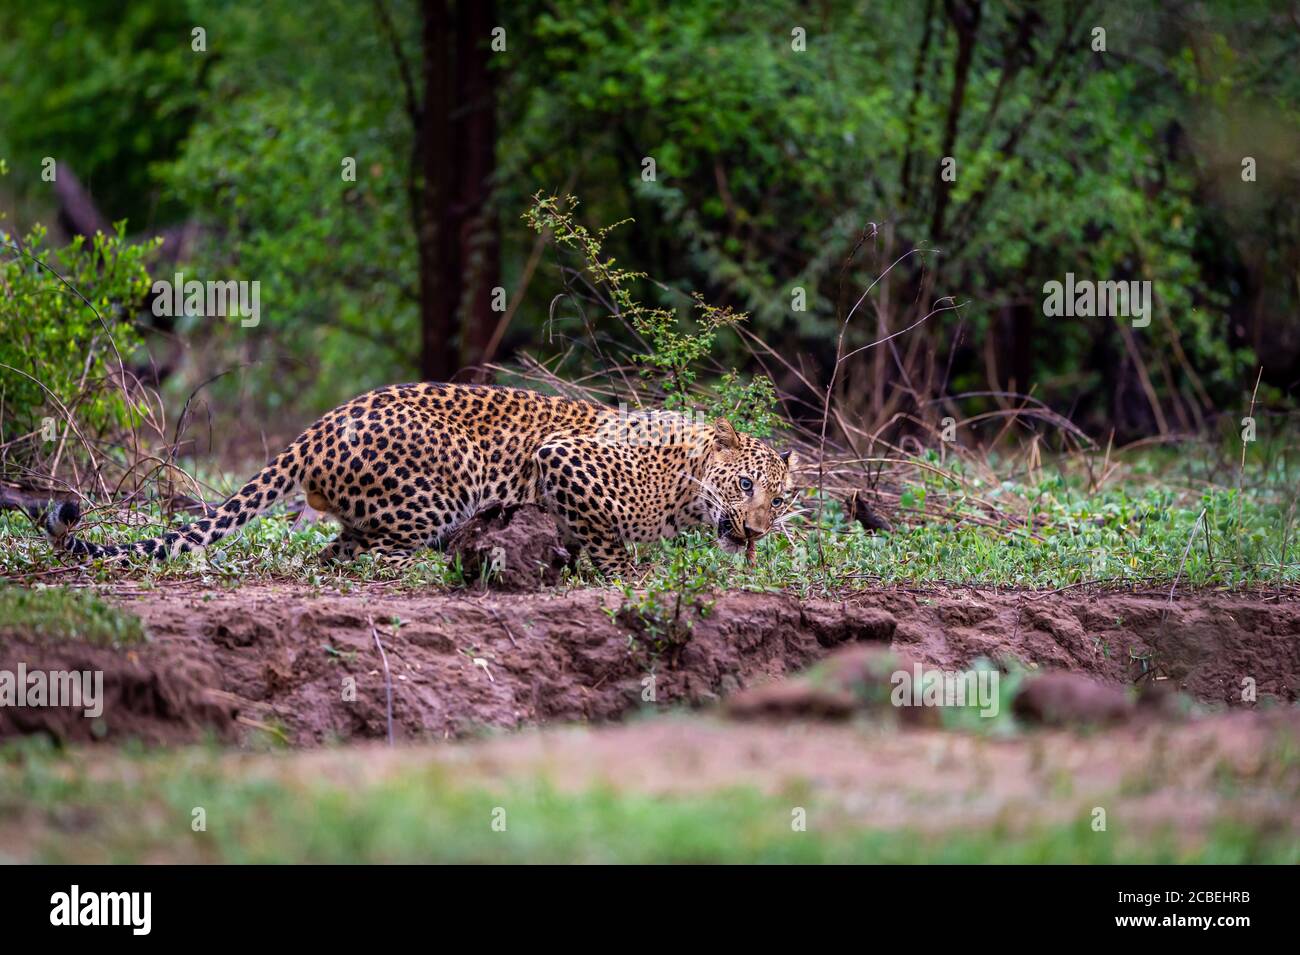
781, 521
710, 492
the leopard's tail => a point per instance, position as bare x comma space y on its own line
275, 481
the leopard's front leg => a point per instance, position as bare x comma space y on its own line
573, 498
607, 551
600, 542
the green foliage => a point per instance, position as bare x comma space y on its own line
107, 87
58, 355
66, 614
770, 163
270, 548
671, 358
662, 610
1131, 534
293, 97
750, 405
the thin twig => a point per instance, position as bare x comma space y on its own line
388, 677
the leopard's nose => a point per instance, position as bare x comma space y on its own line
752, 531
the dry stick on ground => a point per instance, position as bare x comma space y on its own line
525, 279
388, 677
1241, 473
264, 727
67, 415
1253, 394
840, 357
1183, 563
504, 626
81, 383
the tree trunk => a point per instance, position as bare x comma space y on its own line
475, 135
436, 237
459, 257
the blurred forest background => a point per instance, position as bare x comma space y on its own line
797, 152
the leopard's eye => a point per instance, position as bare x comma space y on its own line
778, 502
746, 484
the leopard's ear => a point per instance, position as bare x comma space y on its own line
724, 434
791, 460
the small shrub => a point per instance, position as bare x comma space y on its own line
57, 358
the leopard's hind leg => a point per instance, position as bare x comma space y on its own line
343, 548
390, 548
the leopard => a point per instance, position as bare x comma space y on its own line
401, 467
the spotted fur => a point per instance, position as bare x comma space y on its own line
402, 467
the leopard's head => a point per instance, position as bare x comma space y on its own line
747, 487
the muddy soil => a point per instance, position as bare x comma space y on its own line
306, 667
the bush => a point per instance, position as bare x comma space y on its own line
60, 356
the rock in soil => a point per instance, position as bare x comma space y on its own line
1070, 699
515, 549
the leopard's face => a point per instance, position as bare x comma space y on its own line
749, 488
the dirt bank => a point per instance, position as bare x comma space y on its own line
304, 666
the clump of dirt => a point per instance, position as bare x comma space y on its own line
305, 666
872, 679
512, 549
792, 699
1071, 699
851, 680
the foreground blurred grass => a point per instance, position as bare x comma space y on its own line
141, 807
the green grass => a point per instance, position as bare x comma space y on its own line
270, 548
143, 810
66, 614
1050, 533
1125, 536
